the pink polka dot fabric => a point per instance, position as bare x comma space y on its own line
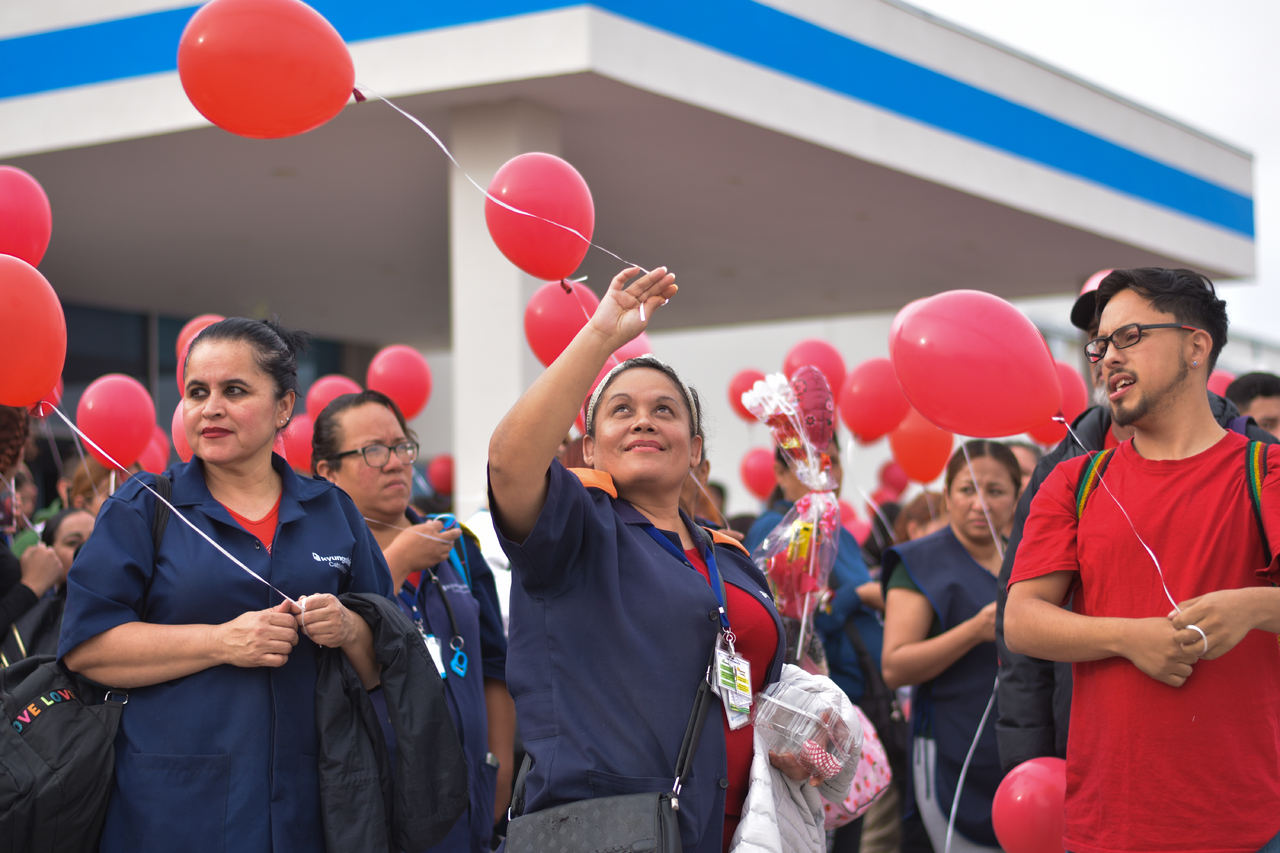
869, 782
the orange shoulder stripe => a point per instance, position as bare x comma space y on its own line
593, 479
723, 539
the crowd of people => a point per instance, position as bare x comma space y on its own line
1112, 602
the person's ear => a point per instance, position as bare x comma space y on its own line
284, 408
324, 469
1201, 345
589, 451
695, 448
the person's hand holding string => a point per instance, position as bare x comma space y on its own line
258, 638
626, 308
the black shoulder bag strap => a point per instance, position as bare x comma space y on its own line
159, 521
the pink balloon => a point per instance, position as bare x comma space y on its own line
634, 349
893, 478
155, 458
1075, 399
179, 434
817, 406
26, 221
297, 443
116, 412
757, 472
553, 318
327, 388
821, 355
1219, 380
743, 381
440, 474
402, 374
1029, 809
872, 403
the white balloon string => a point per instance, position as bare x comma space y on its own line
84, 463
421, 480
53, 446
585, 313
973, 747
875, 507
1125, 513
17, 504
977, 487
409, 530
172, 508
723, 521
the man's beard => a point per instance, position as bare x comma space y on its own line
1150, 400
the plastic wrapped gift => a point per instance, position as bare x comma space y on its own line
796, 722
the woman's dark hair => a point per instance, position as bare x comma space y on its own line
979, 448
50, 533
275, 348
1188, 296
690, 396
326, 438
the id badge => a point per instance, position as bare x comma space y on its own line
433, 649
733, 684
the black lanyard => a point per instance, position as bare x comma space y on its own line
409, 596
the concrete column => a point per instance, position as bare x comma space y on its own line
492, 363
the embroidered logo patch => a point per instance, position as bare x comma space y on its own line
27, 716
334, 562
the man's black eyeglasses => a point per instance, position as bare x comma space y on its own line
1126, 336
378, 455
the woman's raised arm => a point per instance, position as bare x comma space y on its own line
526, 440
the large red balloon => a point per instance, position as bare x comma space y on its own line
1029, 810
871, 402
973, 364
297, 443
402, 374
920, 447
743, 381
550, 189
156, 457
440, 474
25, 218
1219, 380
116, 412
1075, 399
325, 389
553, 318
188, 334
264, 68
757, 472
821, 355
179, 435
33, 331
48, 402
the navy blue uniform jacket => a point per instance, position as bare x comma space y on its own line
609, 638
224, 759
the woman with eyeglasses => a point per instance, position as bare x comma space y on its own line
363, 445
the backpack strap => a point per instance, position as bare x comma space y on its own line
159, 521
1090, 477
1255, 473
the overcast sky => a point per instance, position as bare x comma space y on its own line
1213, 64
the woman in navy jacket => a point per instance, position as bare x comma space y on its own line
612, 617
362, 443
217, 747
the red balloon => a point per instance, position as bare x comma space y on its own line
743, 381
156, 457
34, 333
871, 402
297, 443
1219, 380
48, 402
553, 318
920, 447
1029, 809
278, 448
859, 529
816, 405
757, 472
634, 348
973, 364
179, 434
440, 474
893, 479
325, 389
264, 68
884, 495
25, 218
1075, 399
550, 189
116, 412
402, 374
188, 334
821, 355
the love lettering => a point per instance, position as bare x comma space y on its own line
38, 707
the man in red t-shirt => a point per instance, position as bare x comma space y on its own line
1175, 719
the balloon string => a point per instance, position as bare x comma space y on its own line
1125, 513
995, 536
53, 446
17, 504
171, 507
955, 802
497, 201
408, 530
875, 507
84, 463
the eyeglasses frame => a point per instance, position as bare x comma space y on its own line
1142, 327
391, 451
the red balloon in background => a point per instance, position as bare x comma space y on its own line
920, 447
264, 68
1029, 809
743, 381
884, 495
440, 474
1075, 399
547, 187
402, 374
1219, 380
860, 530
634, 348
893, 479
33, 331
973, 364
297, 443
816, 405
116, 412
871, 402
179, 435
757, 472
325, 389
26, 220
48, 402
188, 334
156, 457
278, 448
553, 318
821, 355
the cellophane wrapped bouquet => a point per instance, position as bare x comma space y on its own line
798, 554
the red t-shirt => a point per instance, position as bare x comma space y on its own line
264, 528
1152, 767
757, 641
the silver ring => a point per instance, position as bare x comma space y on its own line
1196, 628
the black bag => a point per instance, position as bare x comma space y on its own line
57, 756
881, 706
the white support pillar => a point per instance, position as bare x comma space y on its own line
492, 364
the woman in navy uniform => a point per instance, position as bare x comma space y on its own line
613, 617
939, 635
363, 444
217, 747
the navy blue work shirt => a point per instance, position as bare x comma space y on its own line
223, 759
609, 638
